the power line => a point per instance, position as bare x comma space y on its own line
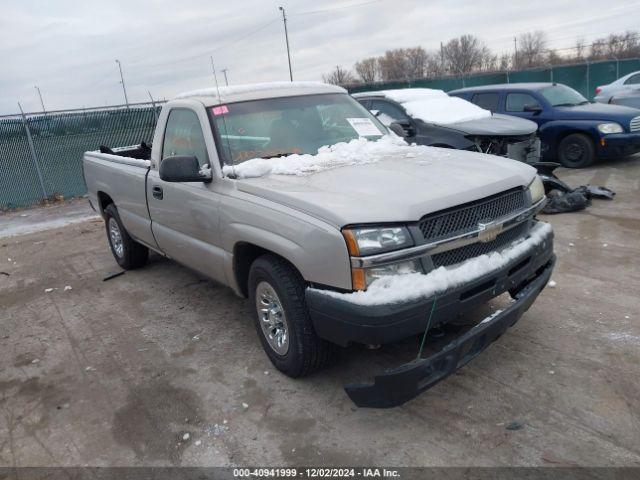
313, 12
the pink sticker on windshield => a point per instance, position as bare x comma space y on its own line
221, 110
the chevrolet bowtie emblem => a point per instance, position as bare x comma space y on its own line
488, 231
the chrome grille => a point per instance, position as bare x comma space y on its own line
462, 219
451, 257
634, 126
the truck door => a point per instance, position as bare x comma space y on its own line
185, 215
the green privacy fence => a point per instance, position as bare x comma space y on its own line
41, 154
584, 77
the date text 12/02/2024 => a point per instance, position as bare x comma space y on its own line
315, 473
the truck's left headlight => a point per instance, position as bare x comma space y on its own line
536, 188
366, 241
610, 127
372, 240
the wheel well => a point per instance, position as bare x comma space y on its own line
104, 201
244, 254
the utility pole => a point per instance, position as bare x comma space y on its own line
124, 88
515, 48
286, 37
213, 69
226, 81
442, 57
44, 110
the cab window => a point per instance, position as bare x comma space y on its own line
488, 101
183, 136
517, 101
389, 112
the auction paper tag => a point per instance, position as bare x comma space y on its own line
364, 127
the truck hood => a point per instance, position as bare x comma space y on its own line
393, 189
502, 125
597, 111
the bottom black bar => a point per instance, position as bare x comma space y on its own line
310, 472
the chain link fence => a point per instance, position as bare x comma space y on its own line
41, 154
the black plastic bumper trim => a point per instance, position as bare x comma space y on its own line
397, 386
343, 322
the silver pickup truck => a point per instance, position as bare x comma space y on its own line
296, 197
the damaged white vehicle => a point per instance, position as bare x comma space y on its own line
296, 197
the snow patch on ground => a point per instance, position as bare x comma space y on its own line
624, 337
47, 218
403, 288
356, 152
23, 229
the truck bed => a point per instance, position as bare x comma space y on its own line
121, 178
140, 152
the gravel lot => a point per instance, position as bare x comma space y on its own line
162, 367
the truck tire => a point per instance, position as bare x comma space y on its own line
576, 151
128, 253
277, 294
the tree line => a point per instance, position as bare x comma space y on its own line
469, 54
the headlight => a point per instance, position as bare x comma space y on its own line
610, 128
373, 240
400, 268
369, 241
537, 189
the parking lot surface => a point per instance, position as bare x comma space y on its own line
160, 366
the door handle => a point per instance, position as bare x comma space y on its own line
157, 192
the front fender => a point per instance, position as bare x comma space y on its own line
317, 250
551, 133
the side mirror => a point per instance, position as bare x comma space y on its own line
402, 128
183, 168
532, 108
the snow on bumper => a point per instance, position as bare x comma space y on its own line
339, 319
405, 288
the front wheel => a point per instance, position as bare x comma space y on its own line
128, 253
277, 293
576, 151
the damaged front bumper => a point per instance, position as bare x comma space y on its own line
343, 322
397, 386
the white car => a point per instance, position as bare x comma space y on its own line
624, 91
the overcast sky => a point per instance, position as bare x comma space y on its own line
68, 47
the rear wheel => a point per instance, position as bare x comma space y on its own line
128, 253
576, 151
276, 291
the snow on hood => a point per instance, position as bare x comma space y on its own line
356, 152
403, 95
435, 106
381, 181
412, 286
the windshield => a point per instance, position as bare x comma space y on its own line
275, 127
562, 96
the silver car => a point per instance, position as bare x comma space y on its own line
624, 91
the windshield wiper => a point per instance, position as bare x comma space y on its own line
566, 104
277, 155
